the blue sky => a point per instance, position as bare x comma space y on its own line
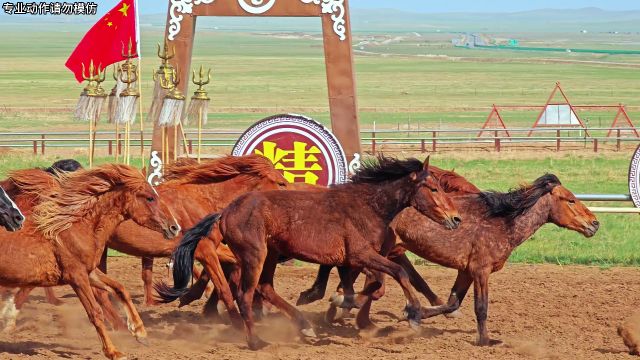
156, 6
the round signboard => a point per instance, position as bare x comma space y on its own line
634, 178
303, 149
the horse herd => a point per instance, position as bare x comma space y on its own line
243, 218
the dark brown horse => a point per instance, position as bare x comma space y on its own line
495, 224
68, 230
346, 225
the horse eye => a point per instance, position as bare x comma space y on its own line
150, 199
434, 190
572, 202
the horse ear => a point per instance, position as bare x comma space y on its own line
425, 165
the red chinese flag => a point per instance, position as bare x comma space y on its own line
105, 42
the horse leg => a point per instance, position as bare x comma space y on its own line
51, 297
481, 306
134, 322
80, 283
317, 290
269, 293
416, 280
147, 280
109, 312
197, 289
22, 296
208, 257
458, 292
377, 262
252, 262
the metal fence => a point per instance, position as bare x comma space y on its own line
373, 141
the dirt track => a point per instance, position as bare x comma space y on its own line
540, 311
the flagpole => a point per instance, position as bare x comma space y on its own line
138, 40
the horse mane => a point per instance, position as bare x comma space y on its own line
189, 171
77, 194
36, 182
516, 202
385, 169
450, 181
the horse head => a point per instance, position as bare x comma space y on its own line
431, 200
569, 212
10, 216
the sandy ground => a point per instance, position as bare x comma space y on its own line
538, 311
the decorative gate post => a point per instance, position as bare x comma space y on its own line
181, 28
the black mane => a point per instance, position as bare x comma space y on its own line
385, 169
67, 165
516, 202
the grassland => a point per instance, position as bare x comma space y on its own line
400, 78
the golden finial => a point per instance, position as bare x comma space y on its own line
95, 77
200, 93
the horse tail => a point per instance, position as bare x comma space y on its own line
183, 260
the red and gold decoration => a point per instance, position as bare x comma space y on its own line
127, 100
303, 149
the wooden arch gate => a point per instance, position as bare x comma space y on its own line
334, 14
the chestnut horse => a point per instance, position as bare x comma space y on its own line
495, 224
68, 230
346, 225
192, 190
27, 202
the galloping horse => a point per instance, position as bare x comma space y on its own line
63, 243
495, 224
194, 190
346, 225
27, 202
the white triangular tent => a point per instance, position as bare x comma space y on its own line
558, 114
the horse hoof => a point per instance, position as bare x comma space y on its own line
310, 333
454, 315
488, 342
307, 297
336, 299
118, 356
330, 315
414, 324
142, 340
256, 343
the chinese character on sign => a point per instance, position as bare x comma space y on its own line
297, 163
8, 8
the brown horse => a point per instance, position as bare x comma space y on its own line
346, 225
192, 190
28, 201
495, 224
68, 230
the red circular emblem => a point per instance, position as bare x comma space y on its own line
301, 148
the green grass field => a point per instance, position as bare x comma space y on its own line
435, 85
